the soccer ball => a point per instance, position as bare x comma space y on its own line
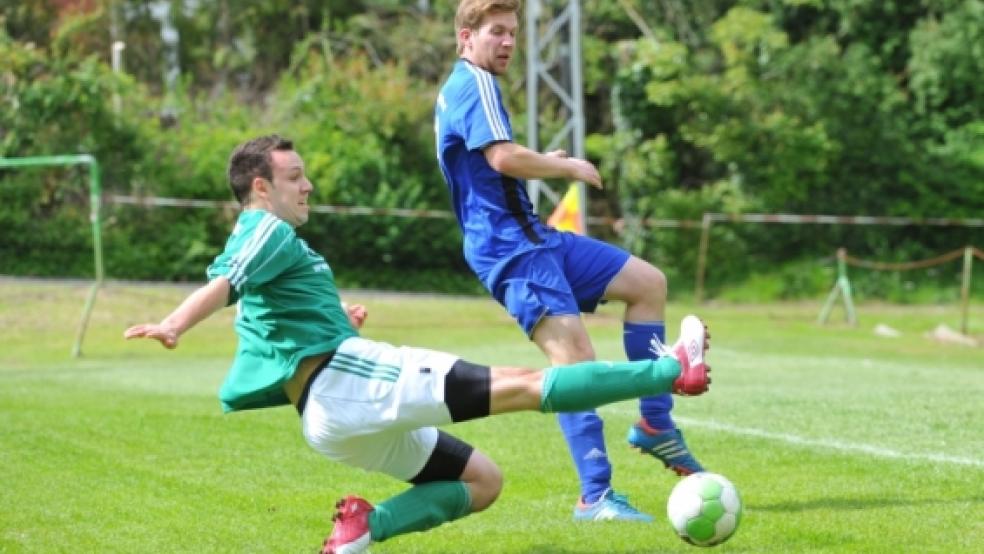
704, 509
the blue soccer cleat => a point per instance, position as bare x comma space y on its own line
666, 446
610, 507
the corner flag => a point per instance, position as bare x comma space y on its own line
567, 215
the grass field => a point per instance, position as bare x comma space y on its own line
839, 440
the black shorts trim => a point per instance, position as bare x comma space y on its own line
447, 462
468, 391
302, 399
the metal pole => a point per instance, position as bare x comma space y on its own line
828, 305
95, 199
845, 285
547, 24
117, 60
841, 287
532, 88
577, 98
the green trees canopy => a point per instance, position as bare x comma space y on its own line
853, 107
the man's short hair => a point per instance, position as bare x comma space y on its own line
471, 13
250, 160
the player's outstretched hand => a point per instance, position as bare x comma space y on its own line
357, 314
167, 337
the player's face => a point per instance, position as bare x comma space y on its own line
288, 195
491, 45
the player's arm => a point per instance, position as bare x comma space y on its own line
518, 161
197, 306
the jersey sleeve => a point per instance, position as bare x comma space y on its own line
256, 256
484, 120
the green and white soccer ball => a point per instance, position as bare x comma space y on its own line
704, 509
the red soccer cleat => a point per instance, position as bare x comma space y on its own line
351, 532
689, 351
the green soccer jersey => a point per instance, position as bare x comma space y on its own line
288, 308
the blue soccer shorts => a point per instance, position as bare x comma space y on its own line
566, 275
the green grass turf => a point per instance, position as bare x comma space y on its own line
838, 440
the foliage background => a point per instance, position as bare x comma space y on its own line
850, 107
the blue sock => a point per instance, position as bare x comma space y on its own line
636, 338
586, 441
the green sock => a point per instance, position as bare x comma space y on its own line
586, 385
420, 508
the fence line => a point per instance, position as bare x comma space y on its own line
704, 223
799, 219
848, 220
842, 287
159, 201
164, 202
905, 266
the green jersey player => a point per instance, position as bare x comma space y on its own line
365, 403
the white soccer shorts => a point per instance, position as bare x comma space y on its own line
375, 406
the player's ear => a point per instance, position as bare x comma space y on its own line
464, 35
260, 187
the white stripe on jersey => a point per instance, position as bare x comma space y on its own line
486, 89
251, 248
272, 254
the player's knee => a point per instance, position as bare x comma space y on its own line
640, 284
485, 490
656, 284
649, 289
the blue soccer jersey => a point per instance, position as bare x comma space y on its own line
493, 210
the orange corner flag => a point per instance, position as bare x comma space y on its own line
567, 215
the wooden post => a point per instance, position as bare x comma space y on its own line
705, 239
965, 289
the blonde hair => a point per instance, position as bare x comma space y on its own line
471, 13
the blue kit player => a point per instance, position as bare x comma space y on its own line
543, 277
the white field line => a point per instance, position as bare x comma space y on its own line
829, 444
